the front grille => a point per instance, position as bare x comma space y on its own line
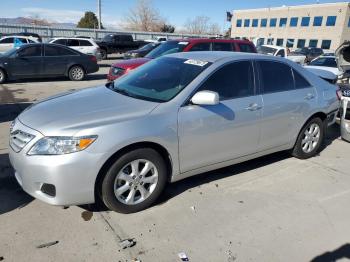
19, 139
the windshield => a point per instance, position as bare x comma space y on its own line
266, 50
148, 47
160, 80
324, 61
167, 48
302, 51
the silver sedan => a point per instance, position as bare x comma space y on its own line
174, 117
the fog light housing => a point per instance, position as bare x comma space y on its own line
48, 189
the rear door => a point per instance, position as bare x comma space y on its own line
27, 62
231, 129
287, 103
56, 59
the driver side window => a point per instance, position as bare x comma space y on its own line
232, 81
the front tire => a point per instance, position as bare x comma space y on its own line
310, 139
134, 181
3, 76
76, 73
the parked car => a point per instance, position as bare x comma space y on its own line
326, 63
9, 42
28, 34
182, 45
310, 52
83, 45
175, 117
141, 52
118, 43
45, 60
280, 51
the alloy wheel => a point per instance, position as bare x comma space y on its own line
311, 138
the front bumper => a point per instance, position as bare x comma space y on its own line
72, 175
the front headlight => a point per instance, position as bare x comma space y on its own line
61, 145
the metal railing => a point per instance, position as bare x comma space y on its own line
49, 32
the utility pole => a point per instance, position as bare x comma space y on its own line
99, 13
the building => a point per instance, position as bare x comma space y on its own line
315, 25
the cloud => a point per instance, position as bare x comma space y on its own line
54, 15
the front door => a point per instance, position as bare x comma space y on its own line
27, 62
231, 129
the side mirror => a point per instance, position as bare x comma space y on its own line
205, 98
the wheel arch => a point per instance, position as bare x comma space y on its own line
157, 147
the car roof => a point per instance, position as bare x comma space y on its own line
214, 56
73, 38
211, 40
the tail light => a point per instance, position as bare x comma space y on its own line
93, 59
339, 94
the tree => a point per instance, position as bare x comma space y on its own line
201, 25
144, 17
166, 28
89, 20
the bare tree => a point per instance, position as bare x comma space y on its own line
144, 17
201, 25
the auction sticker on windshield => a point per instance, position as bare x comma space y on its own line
196, 62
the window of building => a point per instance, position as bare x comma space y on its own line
301, 43
270, 41
290, 42
273, 22
313, 43
263, 22
279, 41
260, 41
239, 23
294, 21
232, 81
305, 21
318, 20
271, 84
255, 22
326, 44
283, 22
246, 22
331, 20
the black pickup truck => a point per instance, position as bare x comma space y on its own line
118, 43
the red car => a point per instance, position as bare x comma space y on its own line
183, 45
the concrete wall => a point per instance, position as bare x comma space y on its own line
337, 34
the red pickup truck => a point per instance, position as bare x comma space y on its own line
182, 45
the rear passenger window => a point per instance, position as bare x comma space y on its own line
222, 47
30, 51
276, 77
58, 51
300, 81
232, 81
201, 47
246, 48
84, 43
72, 42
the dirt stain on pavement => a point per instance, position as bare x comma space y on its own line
87, 215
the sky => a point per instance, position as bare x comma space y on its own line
176, 12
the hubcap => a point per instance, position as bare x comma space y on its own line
135, 182
311, 138
77, 73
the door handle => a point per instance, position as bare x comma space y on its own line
309, 96
253, 107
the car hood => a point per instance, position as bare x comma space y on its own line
67, 113
342, 55
131, 63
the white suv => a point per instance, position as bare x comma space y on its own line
83, 45
8, 42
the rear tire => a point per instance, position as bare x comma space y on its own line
3, 76
104, 54
310, 139
76, 73
134, 181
